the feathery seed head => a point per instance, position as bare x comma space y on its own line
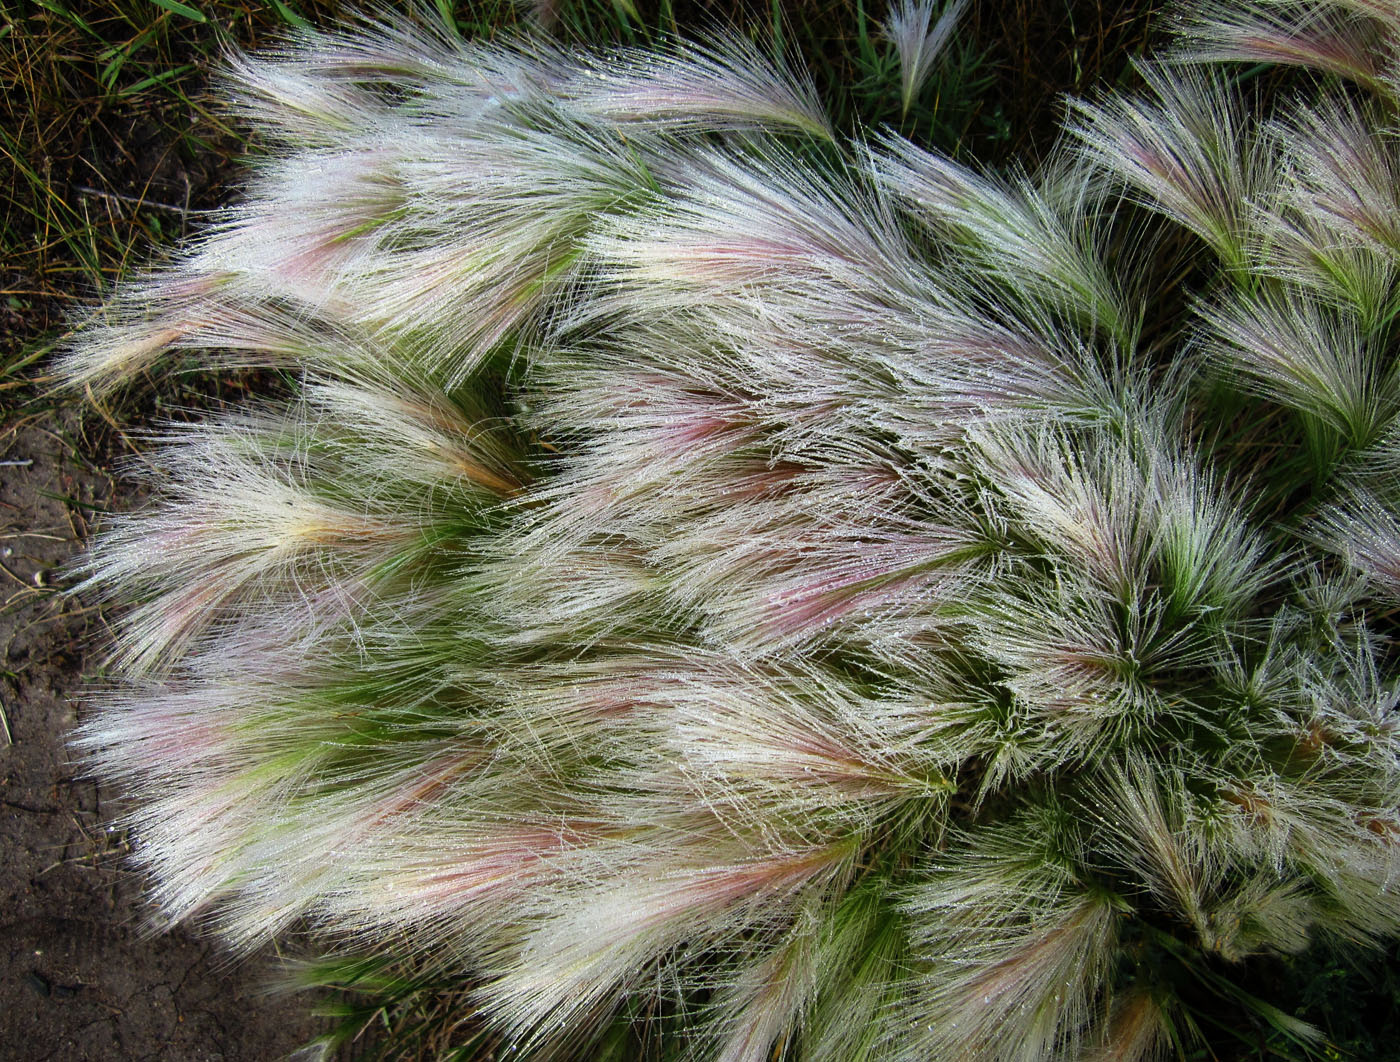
918, 43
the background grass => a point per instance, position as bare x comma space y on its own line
113, 149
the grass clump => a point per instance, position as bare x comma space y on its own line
719, 588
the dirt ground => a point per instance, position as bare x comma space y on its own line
81, 975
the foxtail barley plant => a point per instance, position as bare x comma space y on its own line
800, 594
